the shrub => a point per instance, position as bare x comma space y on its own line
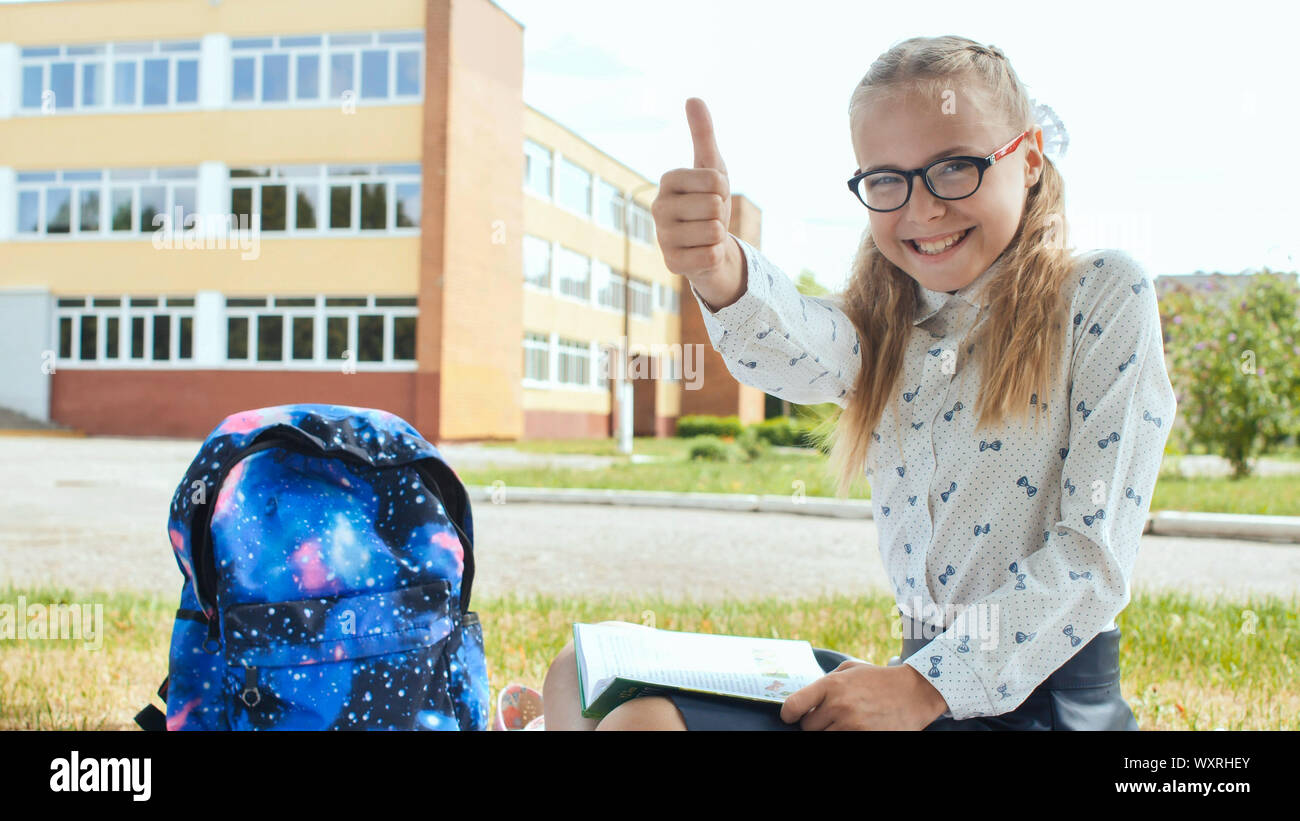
711, 448
779, 430
704, 425
751, 444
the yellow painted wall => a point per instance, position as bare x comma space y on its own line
102, 20
365, 265
389, 133
480, 275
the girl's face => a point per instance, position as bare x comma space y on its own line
909, 131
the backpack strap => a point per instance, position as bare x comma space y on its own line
456, 504
151, 719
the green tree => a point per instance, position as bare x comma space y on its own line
808, 285
1234, 361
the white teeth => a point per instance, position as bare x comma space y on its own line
939, 247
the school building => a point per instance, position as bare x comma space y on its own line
208, 206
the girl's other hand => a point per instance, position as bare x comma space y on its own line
860, 696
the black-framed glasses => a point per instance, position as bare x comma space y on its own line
948, 178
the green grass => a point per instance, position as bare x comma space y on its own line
771, 474
1259, 495
783, 473
1187, 662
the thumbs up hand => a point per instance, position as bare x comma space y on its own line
692, 213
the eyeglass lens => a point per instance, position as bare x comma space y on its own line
952, 179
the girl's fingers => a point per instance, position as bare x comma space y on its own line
695, 180
697, 234
700, 260
687, 207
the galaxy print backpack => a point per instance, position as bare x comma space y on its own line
328, 556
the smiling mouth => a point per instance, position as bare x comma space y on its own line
934, 249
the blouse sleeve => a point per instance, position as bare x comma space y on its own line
1055, 601
801, 348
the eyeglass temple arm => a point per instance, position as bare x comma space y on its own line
1006, 149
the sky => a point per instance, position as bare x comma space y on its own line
1182, 118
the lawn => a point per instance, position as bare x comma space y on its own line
783, 472
1188, 663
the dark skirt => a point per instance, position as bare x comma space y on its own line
1083, 694
702, 711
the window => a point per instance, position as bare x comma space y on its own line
610, 292
573, 189
642, 224
537, 262
537, 168
321, 331
574, 362
537, 357
666, 298
575, 274
609, 207
76, 78
355, 198
72, 203
96, 331
325, 69
404, 338
640, 298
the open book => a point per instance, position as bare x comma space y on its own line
617, 662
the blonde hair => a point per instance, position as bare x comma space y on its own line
1017, 347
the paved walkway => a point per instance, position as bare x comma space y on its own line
90, 514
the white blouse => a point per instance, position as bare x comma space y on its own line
1017, 543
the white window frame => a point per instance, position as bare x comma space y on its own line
609, 201
170, 179
537, 343
548, 286
614, 279
533, 149
561, 277
108, 56
642, 225
396, 42
324, 177
580, 351
320, 312
576, 171
640, 294
172, 308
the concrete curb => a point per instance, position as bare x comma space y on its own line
1285, 529
1278, 529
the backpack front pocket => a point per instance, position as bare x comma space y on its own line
347, 662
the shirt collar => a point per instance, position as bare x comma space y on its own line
929, 303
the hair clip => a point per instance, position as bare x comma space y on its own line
1055, 138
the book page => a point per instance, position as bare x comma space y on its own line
767, 669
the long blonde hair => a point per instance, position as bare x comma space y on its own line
1017, 347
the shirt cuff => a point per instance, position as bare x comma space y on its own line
957, 681
727, 325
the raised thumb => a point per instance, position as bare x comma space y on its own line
707, 154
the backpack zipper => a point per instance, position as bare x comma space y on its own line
250, 695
